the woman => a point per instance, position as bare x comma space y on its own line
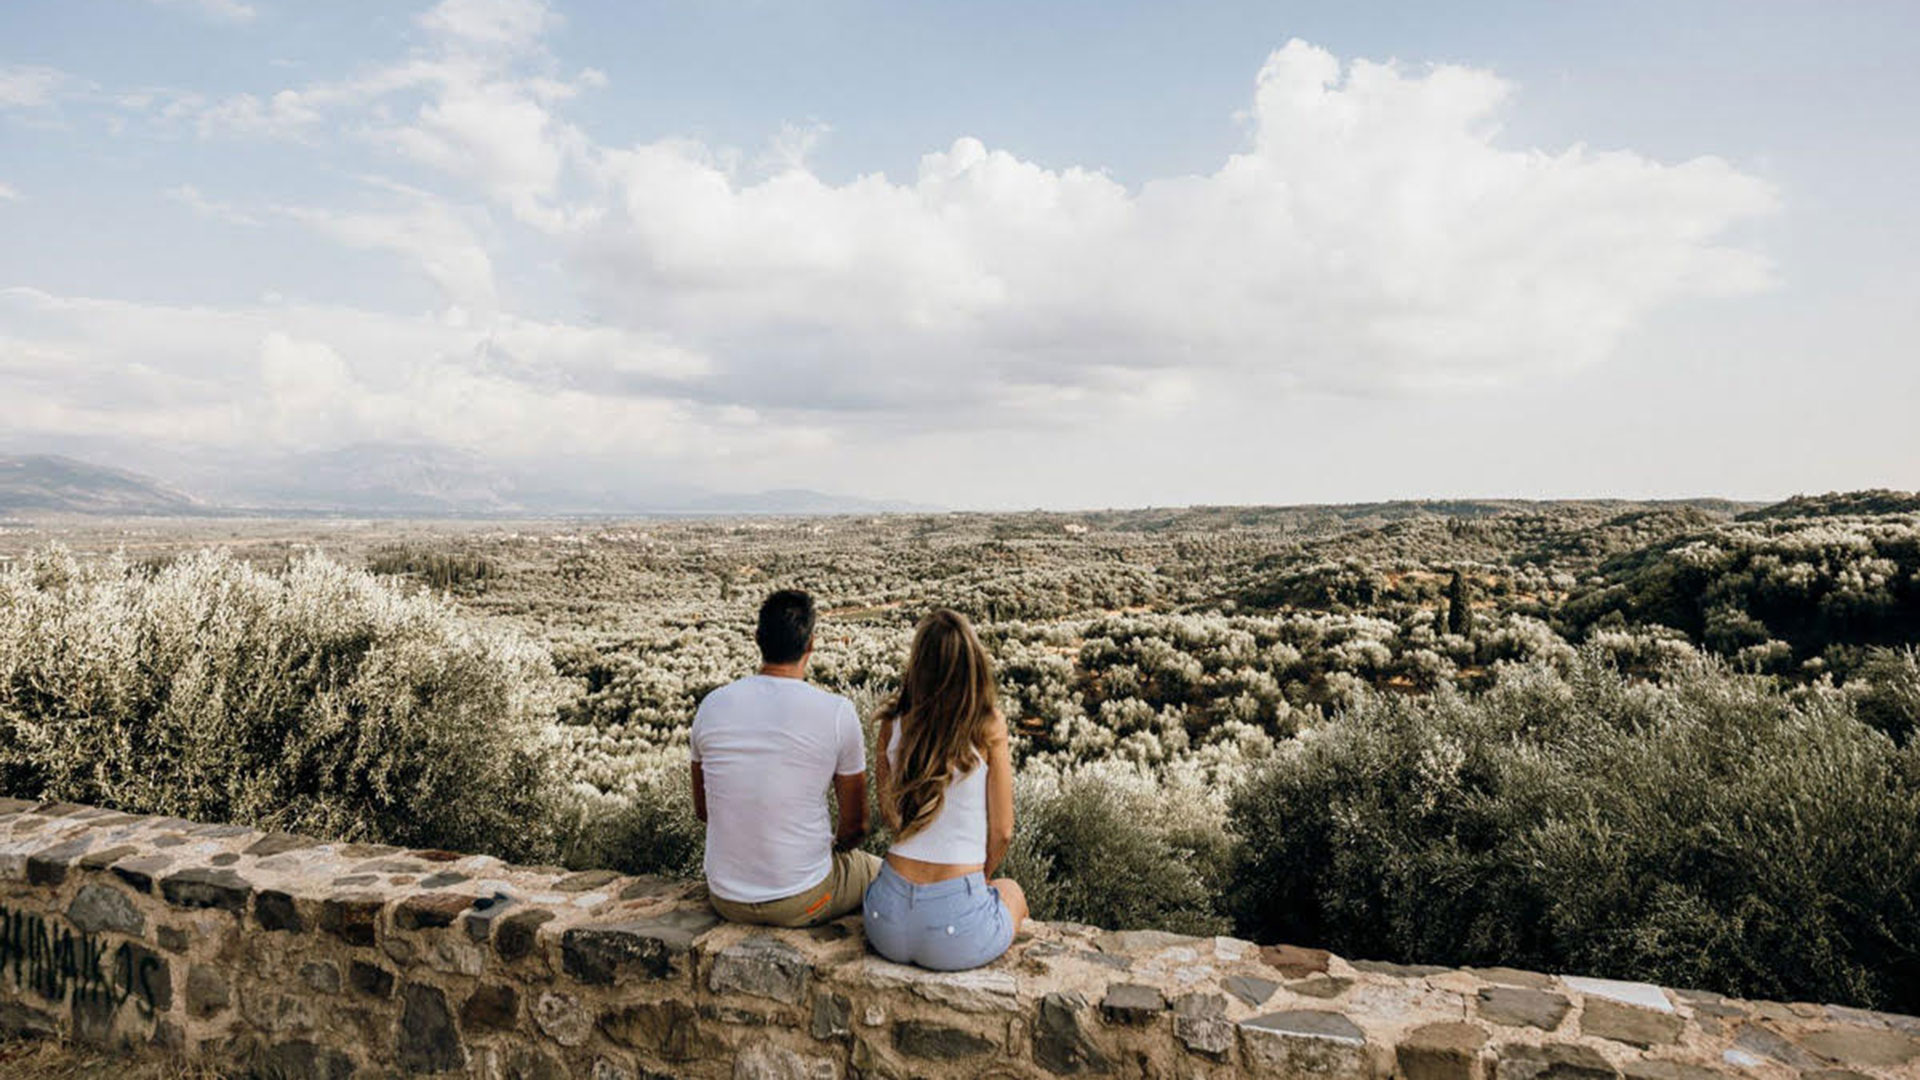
945, 782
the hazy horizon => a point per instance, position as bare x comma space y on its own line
1069, 256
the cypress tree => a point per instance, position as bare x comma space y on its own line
1459, 614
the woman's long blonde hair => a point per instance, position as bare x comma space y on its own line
944, 713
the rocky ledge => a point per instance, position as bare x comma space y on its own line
305, 959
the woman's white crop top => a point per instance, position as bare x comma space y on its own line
958, 834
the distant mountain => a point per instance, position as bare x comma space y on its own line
49, 483
801, 502
388, 480
378, 479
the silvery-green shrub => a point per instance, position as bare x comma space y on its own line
317, 700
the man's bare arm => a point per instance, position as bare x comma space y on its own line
699, 793
850, 791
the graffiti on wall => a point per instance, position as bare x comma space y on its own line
53, 961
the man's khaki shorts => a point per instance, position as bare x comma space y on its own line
838, 895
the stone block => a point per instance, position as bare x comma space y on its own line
1200, 1023
278, 843
1321, 986
518, 934
585, 881
528, 1063
1295, 962
320, 977
102, 908
139, 872
1306, 1043
766, 1061
491, 1007
1506, 976
370, 979
832, 1016
92, 1016
670, 1029
207, 887
1132, 1004
1552, 1061
428, 1041
1517, 1007
105, 857
207, 991
1250, 988
562, 1018
303, 1060
480, 916
1763, 1042
1399, 971
275, 910
763, 966
1443, 1051
146, 975
427, 911
1061, 1043
50, 866
354, 919
1136, 942
1870, 1047
646, 888
174, 939
647, 948
1637, 994
18, 1020
978, 990
938, 1042
1609, 1019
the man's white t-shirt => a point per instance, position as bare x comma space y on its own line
768, 748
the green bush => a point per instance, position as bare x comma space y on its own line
648, 828
1097, 847
1709, 830
445, 570
316, 700
1886, 691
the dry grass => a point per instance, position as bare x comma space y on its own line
51, 1060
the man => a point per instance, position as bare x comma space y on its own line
765, 748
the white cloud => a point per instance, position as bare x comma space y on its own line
309, 376
426, 230
509, 24
26, 86
9, 193
1373, 235
191, 197
221, 10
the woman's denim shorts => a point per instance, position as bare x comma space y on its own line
947, 926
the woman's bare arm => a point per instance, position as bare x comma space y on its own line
883, 775
999, 795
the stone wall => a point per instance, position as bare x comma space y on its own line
312, 960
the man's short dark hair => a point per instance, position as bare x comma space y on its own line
786, 626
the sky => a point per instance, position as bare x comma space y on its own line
982, 255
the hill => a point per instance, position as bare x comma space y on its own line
51, 483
